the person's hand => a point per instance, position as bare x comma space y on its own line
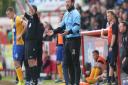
65, 33
49, 32
102, 32
123, 60
24, 23
18, 37
110, 49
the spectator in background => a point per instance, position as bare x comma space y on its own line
97, 14
85, 20
96, 10
125, 17
119, 2
98, 6
47, 65
78, 7
92, 1
120, 13
47, 26
125, 6
94, 24
123, 28
110, 4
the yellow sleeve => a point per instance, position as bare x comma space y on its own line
12, 23
18, 20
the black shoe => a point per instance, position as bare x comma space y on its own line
34, 82
16, 82
27, 83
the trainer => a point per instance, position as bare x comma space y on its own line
71, 26
124, 31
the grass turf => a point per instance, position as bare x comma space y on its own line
10, 81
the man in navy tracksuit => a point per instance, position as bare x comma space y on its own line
71, 26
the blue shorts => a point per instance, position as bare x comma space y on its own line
18, 52
59, 53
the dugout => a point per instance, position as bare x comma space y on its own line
91, 40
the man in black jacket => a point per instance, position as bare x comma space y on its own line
33, 45
123, 28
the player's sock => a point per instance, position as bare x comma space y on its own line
60, 71
92, 73
19, 73
97, 72
34, 74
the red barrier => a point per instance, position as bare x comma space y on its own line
82, 47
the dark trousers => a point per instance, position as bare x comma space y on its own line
71, 63
37, 70
27, 71
111, 61
39, 59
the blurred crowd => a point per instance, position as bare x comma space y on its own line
94, 17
